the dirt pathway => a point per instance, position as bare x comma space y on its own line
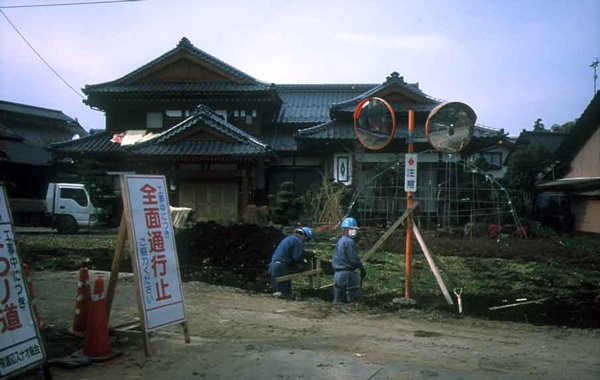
250, 336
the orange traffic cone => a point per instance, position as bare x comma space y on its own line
82, 304
97, 344
36, 313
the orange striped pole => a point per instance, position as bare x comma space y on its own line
32, 299
409, 202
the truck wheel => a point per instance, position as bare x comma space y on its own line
66, 225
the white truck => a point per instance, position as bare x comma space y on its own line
67, 208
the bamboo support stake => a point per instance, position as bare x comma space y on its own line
432, 265
390, 230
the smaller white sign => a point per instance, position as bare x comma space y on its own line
20, 343
410, 172
155, 252
342, 169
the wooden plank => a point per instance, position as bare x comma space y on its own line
432, 265
518, 304
299, 274
390, 231
186, 332
116, 265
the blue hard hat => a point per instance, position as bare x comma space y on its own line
307, 233
349, 223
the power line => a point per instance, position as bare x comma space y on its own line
67, 4
38, 54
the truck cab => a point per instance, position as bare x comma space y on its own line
70, 206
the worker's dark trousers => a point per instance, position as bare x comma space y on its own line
277, 270
346, 287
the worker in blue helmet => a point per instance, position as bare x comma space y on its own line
288, 254
345, 262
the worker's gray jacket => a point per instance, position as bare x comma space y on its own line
346, 256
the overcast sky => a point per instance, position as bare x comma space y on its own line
512, 61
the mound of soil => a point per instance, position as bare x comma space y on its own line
241, 249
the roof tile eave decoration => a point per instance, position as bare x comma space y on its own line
183, 45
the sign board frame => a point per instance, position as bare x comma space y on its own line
410, 172
129, 221
30, 317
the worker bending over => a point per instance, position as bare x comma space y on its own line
288, 255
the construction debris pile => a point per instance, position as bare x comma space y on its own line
240, 250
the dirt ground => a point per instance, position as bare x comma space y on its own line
237, 334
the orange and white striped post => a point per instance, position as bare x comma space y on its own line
82, 304
32, 299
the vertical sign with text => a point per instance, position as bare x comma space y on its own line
410, 172
20, 342
155, 252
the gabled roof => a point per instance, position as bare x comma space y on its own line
394, 82
584, 128
549, 140
26, 109
166, 144
207, 116
186, 46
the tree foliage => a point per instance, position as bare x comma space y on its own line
563, 128
524, 168
285, 205
538, 125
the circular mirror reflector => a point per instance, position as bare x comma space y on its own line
374, 123
450, 127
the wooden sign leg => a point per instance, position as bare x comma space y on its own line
116, 265
145, 340
186, 332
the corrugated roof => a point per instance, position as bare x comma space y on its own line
35, 111
309, 103
186, 46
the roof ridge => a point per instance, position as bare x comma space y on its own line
183, 45
30, 106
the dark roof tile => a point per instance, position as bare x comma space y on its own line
35, 111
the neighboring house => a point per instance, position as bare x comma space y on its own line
225, 140
26, 134
580, 169
496, 155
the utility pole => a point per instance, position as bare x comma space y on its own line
594, 65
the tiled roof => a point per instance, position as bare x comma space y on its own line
193, 87
208, 117
161, 145
550, 140
183, 45
7, 134
200, 148
584, 128
94, 143
344, 130
35, 111
310, 103
282, 142
393, 80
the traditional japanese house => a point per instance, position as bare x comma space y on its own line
26, 134
225, 140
